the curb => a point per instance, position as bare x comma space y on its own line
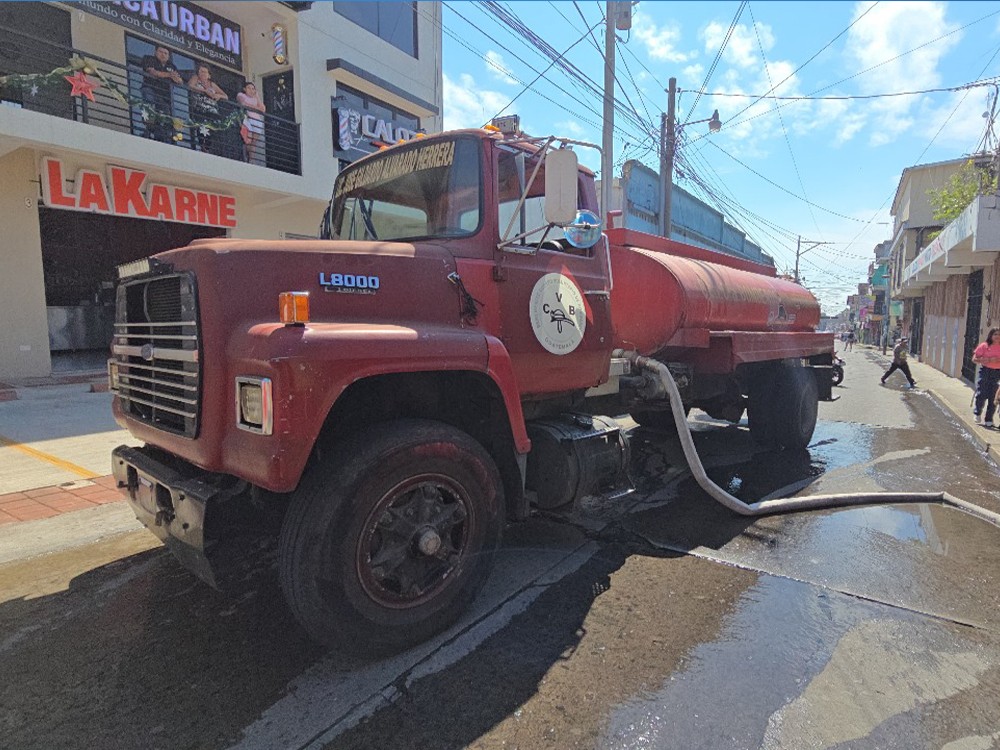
97, 380
985, 446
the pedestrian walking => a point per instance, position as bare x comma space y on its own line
987, 356
851, 338
899, 352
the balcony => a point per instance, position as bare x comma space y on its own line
118, 102
968, 242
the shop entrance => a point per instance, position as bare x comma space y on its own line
80, 253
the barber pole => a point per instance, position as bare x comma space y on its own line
278, 38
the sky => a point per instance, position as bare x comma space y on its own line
816, 170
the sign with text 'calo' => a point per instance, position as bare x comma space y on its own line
182, 25
127, 192
356, 130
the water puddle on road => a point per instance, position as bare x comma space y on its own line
926, 557
796, 666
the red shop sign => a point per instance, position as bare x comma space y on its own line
125, 192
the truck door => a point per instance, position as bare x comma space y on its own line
554, 298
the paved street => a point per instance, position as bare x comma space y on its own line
658, 620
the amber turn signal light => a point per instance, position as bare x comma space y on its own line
293, 308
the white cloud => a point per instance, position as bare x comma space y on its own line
694, 72
660, 43
877, 44
498, 68
570, 127
467, 105
958, 117
742, 49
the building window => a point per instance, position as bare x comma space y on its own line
361, 121
395, 23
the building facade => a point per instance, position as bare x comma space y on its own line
128, 128
946, 281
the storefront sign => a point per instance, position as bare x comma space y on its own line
179, 24
125, 192
356, 130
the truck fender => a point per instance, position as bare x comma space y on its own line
501, 371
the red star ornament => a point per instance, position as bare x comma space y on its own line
82, 86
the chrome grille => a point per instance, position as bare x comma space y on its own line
157, 346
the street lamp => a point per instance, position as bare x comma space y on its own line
668, 144
714, 123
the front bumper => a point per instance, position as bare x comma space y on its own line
170, 497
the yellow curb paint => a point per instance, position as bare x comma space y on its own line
70, 467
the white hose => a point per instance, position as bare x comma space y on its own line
791, 504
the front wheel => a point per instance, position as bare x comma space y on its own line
388, 548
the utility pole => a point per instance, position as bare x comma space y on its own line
607, 143
667, 145
799, 251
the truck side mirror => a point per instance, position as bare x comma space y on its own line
560, 186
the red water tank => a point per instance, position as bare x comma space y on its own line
656, 294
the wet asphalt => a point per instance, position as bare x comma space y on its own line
658, 620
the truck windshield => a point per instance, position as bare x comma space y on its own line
413, 192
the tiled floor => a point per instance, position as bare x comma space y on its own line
46, 502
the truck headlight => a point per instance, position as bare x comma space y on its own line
254, 405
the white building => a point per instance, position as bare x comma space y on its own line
101, 164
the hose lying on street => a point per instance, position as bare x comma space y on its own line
790, 504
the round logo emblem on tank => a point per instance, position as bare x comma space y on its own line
558, 317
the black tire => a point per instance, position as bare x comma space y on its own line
783, 407
399, 486
837, 373
800, 407
657, 420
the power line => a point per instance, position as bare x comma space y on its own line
847, 97
718, 56
781, 119
815, 55
782, 189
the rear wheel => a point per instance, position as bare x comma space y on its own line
389, 548
837, 373
783, 407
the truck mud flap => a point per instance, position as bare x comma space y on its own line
170, 501
824, 382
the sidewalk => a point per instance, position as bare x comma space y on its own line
56, 437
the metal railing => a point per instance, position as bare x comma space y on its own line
33, 77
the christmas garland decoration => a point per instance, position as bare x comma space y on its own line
77, 72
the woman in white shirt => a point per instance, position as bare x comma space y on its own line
253, 123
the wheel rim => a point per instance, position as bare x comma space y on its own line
414, 540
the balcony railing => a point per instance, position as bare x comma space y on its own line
35, 79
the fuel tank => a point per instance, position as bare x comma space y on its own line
658, 293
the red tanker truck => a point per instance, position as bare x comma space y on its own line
450, 354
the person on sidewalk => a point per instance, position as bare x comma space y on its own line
899, 352
987, 356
